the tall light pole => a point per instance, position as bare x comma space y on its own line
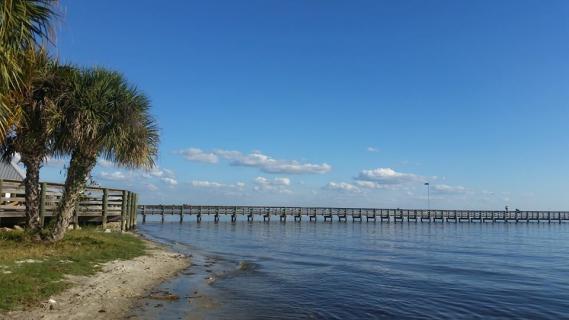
428, 196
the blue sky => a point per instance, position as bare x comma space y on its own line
348, 103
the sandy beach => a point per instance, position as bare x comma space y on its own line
110, 293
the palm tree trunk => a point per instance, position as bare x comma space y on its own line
80, 167
32, 187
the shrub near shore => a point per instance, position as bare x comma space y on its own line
31, 272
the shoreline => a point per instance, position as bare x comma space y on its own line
112, 292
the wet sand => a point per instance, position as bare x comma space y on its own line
193, 296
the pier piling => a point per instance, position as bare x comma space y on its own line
329, 214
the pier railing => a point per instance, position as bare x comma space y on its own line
354, 214
96, 204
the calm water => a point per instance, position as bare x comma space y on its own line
367, 270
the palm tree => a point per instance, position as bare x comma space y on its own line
109, 119
24, 24
40, 100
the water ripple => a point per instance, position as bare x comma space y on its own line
382, 271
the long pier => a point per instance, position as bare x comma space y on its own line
313, 214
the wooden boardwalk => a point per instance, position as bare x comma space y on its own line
313, 214
97, 205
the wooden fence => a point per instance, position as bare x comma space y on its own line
100, 205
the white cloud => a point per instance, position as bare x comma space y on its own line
158, 172
269, 164
388, 176
114, 176
342, 186
255, 159
207, 184
166, 176
198, 155
368, 184
372, 149
446, 189
170, 181
277, 184
274, 182
216, 185
281, 181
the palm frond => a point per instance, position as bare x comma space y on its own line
110, 118
39, 104
24, 24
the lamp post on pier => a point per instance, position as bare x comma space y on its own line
428, 196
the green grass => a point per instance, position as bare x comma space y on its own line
24, 284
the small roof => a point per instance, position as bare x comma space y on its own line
11, 171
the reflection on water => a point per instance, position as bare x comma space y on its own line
371, 270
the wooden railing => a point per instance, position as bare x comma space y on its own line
96, 204
356, 214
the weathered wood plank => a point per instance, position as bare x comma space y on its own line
12, 198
